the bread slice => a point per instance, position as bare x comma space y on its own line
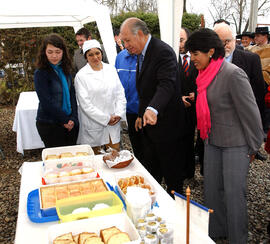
67, 236
108, 232
93, 240
119, 238
64, 242
84, 235
76, 238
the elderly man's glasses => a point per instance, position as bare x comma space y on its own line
225, 42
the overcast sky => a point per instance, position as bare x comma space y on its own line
201, 7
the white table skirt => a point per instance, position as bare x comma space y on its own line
25, 122
32, 233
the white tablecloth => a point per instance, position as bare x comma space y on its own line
25, 122
32, 233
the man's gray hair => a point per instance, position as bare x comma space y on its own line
136, 24
139, 25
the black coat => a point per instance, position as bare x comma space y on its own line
251, 64
158, 87
188, 85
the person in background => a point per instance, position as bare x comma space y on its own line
125, 65
188, 74
247, 61
230, 124
57, 118
101, 100
118, 43
247, 39
161, 111
262, 48
79, 61
220, 21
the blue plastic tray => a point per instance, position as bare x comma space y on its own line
34, 212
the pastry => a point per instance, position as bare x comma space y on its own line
78, 154
66, 155
64, 174
75, 172
50, 157
87, 170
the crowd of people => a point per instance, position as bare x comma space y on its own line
217, 88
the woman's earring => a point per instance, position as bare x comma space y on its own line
210, 56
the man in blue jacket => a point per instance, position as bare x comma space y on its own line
126, 67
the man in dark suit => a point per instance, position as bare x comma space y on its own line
161, 110
188, 74
247, 61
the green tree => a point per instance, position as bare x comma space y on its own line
191, 21
150, 19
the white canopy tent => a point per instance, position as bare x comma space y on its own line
170, 14
75, 13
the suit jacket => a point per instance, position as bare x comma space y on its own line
188, 85
251, 64
235, 117
158, 87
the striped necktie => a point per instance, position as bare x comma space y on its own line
185, 64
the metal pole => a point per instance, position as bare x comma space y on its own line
253, 16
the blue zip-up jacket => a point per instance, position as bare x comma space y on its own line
50, 93
126, 68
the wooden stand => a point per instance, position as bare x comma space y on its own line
188, 214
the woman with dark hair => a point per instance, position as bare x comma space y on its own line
230, 125
101, 98
57, 117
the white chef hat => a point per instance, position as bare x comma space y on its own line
87, 45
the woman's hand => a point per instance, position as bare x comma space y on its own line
114, 119
69, 126
252, 157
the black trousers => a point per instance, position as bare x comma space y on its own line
165, 159
189, 150
56, 135
135, 136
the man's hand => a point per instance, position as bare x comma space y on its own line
149, 117
138, 124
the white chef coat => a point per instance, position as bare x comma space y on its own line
100, 94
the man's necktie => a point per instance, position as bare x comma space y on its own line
140, 62
185, 64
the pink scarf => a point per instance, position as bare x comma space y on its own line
203, 80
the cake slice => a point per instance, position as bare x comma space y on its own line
93, 240
84, 235
107, 233
119, 238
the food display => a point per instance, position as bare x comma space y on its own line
68, 152
153, 230
111, 235
116, 159
134, 180
68, 174
50, 194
